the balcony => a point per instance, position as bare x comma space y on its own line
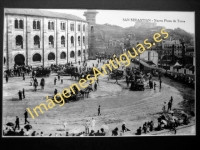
62, 45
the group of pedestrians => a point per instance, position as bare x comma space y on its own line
147, 127
124, 129
17, 123
169, 104
18, 70
21, 94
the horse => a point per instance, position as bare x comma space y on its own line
85, 92
75, 75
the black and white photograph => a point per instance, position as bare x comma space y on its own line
98, 73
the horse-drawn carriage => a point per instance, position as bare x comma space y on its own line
67, 71
56, 68
117, 74
41, 72
78, 95
137, 84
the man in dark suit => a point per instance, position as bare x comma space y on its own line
99, 113
23, 92
20, 95
6, 78
26, 116
17, 123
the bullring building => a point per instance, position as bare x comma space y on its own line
40, 38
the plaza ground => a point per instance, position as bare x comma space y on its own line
118, 105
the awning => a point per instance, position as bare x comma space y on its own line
177, 64
147, 65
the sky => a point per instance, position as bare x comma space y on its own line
116, 17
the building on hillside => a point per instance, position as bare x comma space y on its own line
188, 69
172, 51
145, 24
40, 38
167, 47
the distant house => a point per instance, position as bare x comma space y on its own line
178, 68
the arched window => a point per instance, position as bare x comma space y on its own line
49, 25
72, 27
63, 41
21, 24
38, 24
34, 24
52, 26
79, 53
19, 59
72, 54
79, 27
51, 42
83, 40
19, 41
63, 55
51, 56
92, 29
16, 24
37, 41
62, 26
37, 57
72, 40
4, 60
79, 41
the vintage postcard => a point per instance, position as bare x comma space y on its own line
85, 72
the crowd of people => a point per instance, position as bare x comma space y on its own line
19, 70
167, 120
116, 130
147, 126
11, 129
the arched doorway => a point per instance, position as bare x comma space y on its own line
72, 54
37, 57
63, 55
19, 59
51, 56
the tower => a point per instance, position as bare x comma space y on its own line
91, 18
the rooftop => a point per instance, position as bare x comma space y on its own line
42, 13
171, 41
190, 49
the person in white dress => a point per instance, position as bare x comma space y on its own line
27, 133
92, 123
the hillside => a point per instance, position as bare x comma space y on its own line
105, 32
